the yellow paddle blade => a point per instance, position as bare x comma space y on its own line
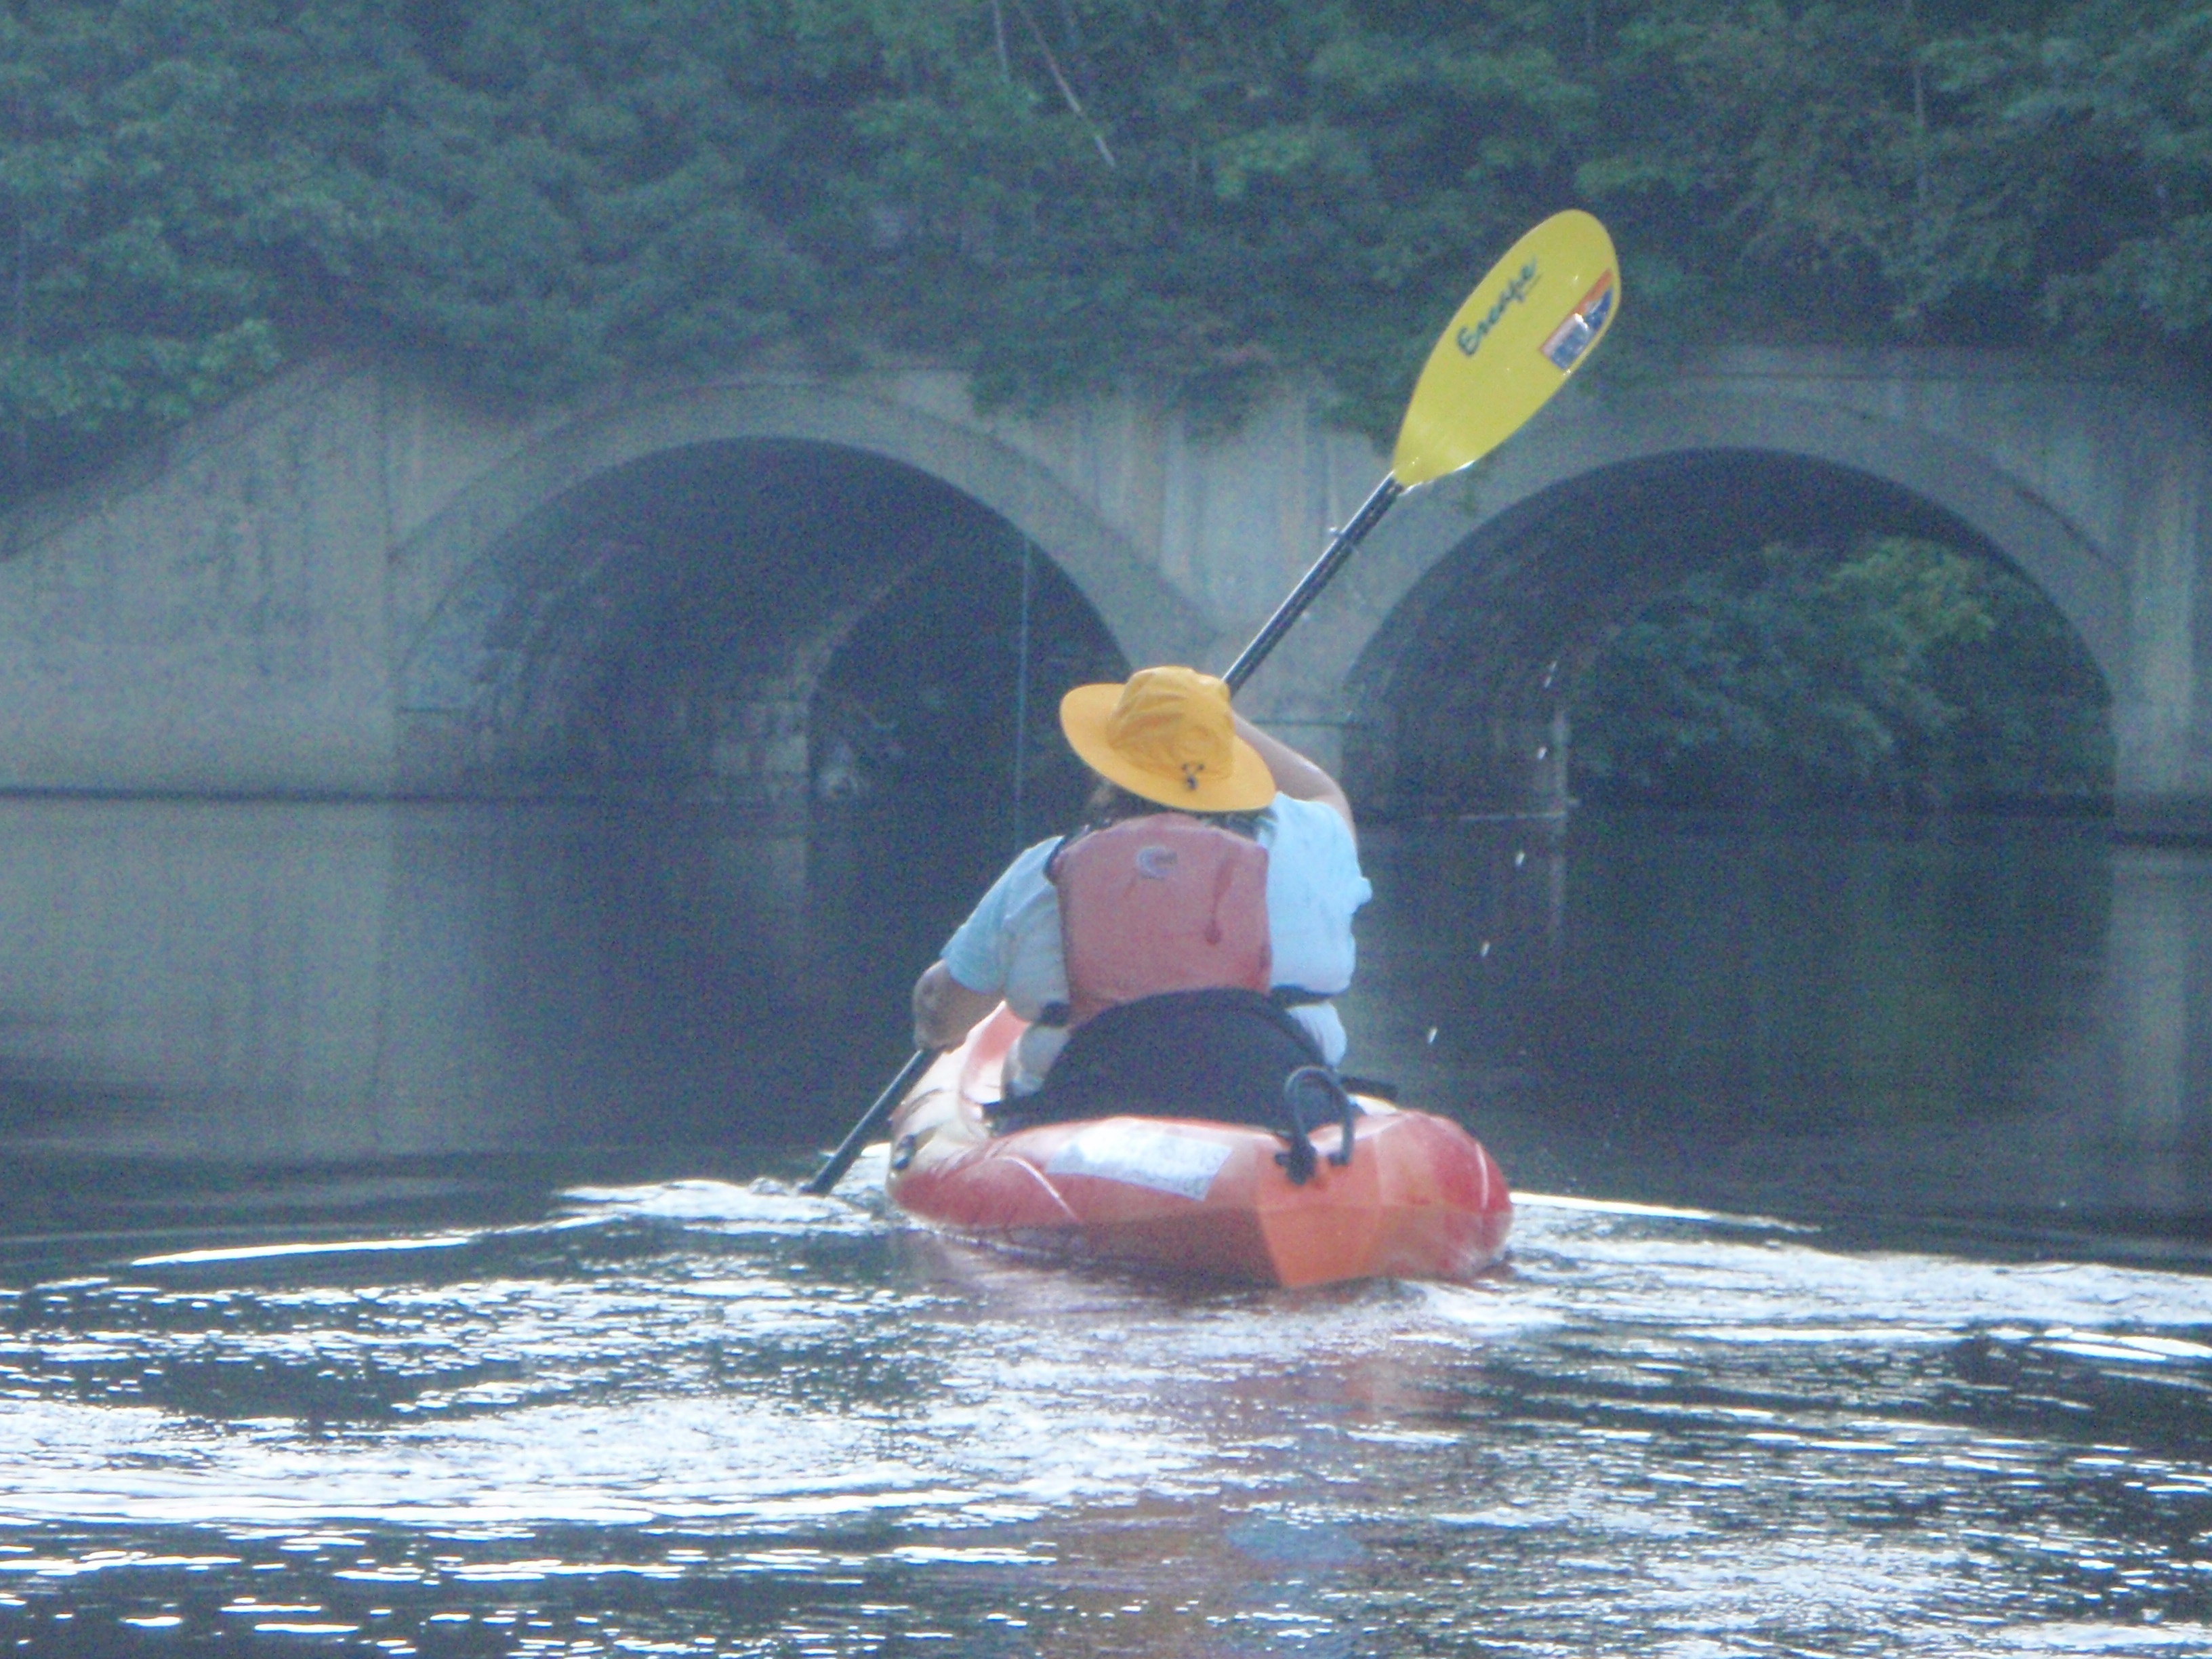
1527, 326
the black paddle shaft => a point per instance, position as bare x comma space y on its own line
1309, 585
1293, 606
842, 1160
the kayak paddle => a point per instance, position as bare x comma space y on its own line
1527, 326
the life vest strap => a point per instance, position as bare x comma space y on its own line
1058, 1014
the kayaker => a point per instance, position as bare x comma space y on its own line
1205, 905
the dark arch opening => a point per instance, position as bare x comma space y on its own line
1463, 702
774, 626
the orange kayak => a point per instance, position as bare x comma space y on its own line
1419, 1199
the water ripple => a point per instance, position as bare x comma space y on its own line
1658, 1433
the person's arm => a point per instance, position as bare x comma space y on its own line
946, 1006
944, 1010
1294, 775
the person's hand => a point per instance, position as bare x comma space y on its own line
944, 1010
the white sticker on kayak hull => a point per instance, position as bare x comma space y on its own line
1181, 1164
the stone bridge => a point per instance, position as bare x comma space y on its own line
347, 584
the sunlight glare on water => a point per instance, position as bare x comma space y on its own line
811, 1427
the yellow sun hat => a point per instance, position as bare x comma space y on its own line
1167, 735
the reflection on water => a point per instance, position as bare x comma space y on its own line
1993, 1020
384, 1266
1987, 1019
1984, 1018
286, 982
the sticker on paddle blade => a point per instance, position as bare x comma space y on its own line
1573, 338
1526, 326
1181, 1164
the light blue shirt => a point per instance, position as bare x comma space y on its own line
1010, 944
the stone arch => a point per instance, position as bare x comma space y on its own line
478, 576
1351, 640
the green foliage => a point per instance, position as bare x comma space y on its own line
1905, 672
1207, 197
140, 221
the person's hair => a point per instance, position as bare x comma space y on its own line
1110, 803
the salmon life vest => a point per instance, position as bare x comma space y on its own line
1161, 903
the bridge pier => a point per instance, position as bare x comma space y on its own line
2162, 704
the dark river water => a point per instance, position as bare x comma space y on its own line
401, 1252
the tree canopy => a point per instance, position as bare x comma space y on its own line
1899, 671
1205, 197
